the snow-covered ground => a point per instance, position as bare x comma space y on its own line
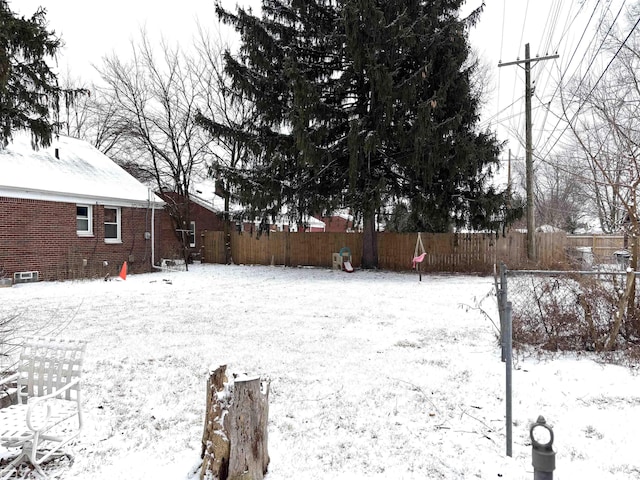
374, 375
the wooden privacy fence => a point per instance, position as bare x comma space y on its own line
602, 247
446, 252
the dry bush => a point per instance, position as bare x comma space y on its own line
570, 312
9, 343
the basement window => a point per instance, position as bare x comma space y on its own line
112, 225
84, 220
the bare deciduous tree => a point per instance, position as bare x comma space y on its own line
605, 122
559, 197
559, 194
223, 112
155, 100
94, 117
604, 118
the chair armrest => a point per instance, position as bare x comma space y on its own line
34, 402
9, 379
55, 393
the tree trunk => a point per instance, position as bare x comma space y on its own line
228, 260
635, 251
370, 243
234, 442
215, 443
248, 417
631, 280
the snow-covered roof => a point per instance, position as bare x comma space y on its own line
211, 206
312, 222
203, 193
206, 197
79, 173
344, 214
548, 229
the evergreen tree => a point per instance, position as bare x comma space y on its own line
362, 103
29, 92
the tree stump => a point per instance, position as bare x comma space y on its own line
234, 442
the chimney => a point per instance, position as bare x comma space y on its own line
56, 150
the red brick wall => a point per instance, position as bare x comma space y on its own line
205, 219
40, 235
336, 224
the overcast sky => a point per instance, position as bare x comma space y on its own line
92, 30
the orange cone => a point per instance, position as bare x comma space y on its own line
123, 271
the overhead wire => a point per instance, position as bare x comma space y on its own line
550, 28
584, 101
575, 51
488, 121
583, 77
504, 6
545, 42
517, 81
551, 25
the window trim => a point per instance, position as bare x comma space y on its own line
118, 224
89, 231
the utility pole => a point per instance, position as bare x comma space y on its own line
528, 93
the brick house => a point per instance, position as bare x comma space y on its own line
68, 211
208, 195
204, 216
339, 222
311, 224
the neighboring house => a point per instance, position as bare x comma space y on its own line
282, 224
204, 216
338, 222
206, 195
68, 211
310, 224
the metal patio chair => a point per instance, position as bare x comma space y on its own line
48, 413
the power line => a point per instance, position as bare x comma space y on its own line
511, 116
516, 80
601, 76
504, 7
586, 28
550, 25
546, 40
490, 119
524, 22
584, 76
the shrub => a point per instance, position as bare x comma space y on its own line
571, 312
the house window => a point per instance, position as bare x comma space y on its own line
112, 225
84, 220
192, 234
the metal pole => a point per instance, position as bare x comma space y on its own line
502, 300
508, 376
543, 458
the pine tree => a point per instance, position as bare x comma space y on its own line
29, 92
362, 103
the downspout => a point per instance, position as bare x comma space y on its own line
153, 232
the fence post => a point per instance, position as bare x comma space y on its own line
502, 300
543, 458
509, 416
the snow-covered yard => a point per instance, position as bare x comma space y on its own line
374, 375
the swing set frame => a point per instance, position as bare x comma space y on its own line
419, 254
